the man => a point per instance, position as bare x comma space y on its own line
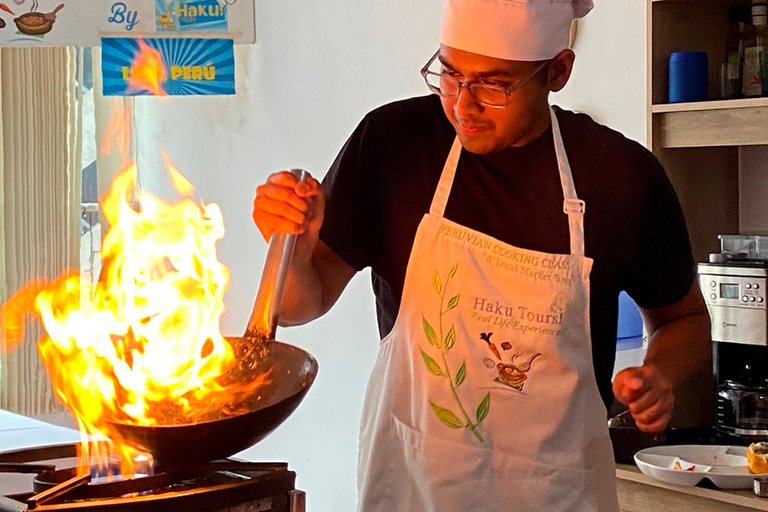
498, 245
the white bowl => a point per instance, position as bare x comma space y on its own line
724, 466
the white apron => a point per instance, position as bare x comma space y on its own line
483, 397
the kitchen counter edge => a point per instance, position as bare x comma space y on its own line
741, 497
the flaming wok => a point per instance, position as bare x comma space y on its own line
292, 373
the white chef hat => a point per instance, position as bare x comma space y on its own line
524, 30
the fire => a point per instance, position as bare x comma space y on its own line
117, 133
145, 348
150, 334
147, 70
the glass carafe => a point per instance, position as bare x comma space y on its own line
742, 406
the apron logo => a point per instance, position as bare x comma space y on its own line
512, 374
443, 343
500, 315
560, 303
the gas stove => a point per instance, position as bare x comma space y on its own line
44, 479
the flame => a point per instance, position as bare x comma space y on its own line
147, 73
146, 348
117, 133
147, 70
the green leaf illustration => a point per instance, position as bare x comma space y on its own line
453, 302
452, 272
447, 417
436, 283
461, 374
450, 338
430, 332
432, 365
482, 409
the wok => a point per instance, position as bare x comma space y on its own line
292, 372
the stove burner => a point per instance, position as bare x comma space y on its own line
220, 486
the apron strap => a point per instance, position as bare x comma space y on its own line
440, 199
572, 205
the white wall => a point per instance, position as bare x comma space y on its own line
609, 75
316, 69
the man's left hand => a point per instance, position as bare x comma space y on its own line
648, 394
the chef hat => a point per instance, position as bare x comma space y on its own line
524, 30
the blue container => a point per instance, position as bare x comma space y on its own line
688, 77
629, 332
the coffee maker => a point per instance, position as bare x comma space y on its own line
734, 284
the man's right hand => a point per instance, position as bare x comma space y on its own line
285, 205
317, 275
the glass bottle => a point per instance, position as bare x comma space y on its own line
751, 84
738, 17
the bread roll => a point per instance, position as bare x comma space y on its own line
757, 458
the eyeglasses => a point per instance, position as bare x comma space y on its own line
488, 95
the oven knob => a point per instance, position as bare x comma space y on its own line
759, 299
713, 284
745, 299
755, 286
751, 299
748, 286
713, 296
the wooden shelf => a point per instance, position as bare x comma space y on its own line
709, 105
742, 122
698, 143
697, 25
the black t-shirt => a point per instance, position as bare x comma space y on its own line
384, 178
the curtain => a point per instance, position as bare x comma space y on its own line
41, 173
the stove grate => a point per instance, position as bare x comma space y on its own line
219, 486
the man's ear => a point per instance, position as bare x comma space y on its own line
559, 69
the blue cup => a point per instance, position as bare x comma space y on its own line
688, 77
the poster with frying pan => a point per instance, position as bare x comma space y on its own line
85, 22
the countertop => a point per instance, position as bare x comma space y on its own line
641, 493
17, 432
637, 492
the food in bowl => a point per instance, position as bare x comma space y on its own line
33, 24
757, 458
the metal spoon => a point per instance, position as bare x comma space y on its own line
264, 316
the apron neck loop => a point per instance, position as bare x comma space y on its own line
572, 205
440, 199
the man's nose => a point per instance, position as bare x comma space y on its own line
466, 102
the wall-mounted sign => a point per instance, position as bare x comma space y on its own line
191, 15
167, 66
85, 22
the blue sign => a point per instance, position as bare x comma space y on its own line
176, 67
191, 15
